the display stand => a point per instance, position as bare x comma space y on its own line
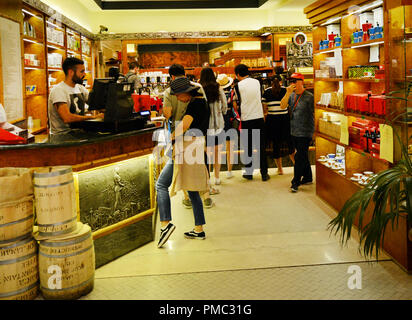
334, 186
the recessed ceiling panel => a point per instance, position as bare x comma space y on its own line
177, 4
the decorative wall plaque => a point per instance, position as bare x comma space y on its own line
110, 194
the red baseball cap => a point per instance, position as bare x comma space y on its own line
297, 76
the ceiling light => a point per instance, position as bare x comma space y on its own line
265, 34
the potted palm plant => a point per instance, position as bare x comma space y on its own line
390, 194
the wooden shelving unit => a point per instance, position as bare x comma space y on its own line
35, 64
41, 38
331, 186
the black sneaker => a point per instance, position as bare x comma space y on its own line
306, 181
165, 234
247, 176
195, 235
294, 188
265, 177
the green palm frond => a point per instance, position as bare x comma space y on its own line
385, 192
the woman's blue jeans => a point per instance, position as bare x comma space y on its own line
163, 197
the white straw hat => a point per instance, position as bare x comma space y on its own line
224, 81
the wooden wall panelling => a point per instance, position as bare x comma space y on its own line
315, 5
323, 8
37, 108
164, 59
11, 9
348, 25
319, 33
335, 11
324, 147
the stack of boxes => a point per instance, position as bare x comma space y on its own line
367, 104
365, 135
327, 68
54, 60
55, 36
330, 125
332, 100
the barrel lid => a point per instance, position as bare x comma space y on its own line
81, 229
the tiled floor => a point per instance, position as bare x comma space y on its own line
263, 242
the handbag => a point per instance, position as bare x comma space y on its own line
236, 119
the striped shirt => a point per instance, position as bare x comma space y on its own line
273, 101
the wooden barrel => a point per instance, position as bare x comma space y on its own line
19, 271
55, 201
67, 265
16, 220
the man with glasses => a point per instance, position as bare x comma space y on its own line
302, 126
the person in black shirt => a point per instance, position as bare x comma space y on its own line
277, 124
187, 171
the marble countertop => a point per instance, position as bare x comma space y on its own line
77, 138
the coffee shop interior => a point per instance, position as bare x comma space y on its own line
262, 240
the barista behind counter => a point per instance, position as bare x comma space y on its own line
68, 99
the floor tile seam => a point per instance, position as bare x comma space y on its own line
246, 269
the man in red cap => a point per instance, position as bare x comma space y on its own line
302, 127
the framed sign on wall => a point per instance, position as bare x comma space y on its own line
11, 69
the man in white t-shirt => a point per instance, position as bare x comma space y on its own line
67, 100
248, 96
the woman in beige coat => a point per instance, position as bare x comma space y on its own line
187, 169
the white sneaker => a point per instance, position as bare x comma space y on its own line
229, 175
217, 181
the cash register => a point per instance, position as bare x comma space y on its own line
119, 116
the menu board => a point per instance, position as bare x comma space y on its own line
11, 68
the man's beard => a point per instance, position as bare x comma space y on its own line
77, 80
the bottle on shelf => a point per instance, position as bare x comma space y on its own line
365, 30
338, 41
360, 36
367, 137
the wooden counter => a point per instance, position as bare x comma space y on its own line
81, 150
114, 180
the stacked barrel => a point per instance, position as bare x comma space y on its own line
66, 251
61, 262
19, 273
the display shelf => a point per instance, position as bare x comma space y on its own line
359, 151
343, 177
35, 95
28, 68
328, 50
366, 117
55, 46
365, 44
32, 40
373, 80
329, 79
320, 106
